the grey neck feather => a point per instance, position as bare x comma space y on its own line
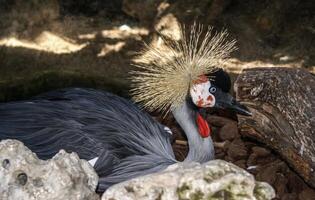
200, 149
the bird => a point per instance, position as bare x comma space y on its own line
116, 135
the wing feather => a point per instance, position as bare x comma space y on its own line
93, 124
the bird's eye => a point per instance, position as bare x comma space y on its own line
212, 90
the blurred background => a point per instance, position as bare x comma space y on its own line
48, 44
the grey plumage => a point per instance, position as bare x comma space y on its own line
92, 123
200, 149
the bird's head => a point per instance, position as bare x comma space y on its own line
186, 69
212, 91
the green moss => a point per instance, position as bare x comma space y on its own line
198, 195
211, 175
129, 189
208, 179
160, 195
184, 187
221, 195
261, 192
181, 191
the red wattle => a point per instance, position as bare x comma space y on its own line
203, 126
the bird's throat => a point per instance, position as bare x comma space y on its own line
203, 126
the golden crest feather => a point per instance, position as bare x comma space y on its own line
164, 74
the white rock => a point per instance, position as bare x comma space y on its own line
216, 179
25, 177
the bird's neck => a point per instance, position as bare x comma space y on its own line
200, 149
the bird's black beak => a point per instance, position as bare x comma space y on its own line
239, 108
226, 101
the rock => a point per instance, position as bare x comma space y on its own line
219, 155
228, 129
216, 179
280, 184
268, 173
237, 150
226, 146
295, 183
307, 194
241, 163
289, 196
260, 151
257, 154
24, 176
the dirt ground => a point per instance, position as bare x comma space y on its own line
92, 44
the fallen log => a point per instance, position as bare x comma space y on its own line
282, 102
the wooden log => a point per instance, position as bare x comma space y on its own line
282, 101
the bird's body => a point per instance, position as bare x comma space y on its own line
126, 141
117, 137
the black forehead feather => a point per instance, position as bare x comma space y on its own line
221, 79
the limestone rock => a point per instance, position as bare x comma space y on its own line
24, 176
216, 179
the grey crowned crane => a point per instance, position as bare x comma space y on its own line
118, 138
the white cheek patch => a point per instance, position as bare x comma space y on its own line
201, 96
